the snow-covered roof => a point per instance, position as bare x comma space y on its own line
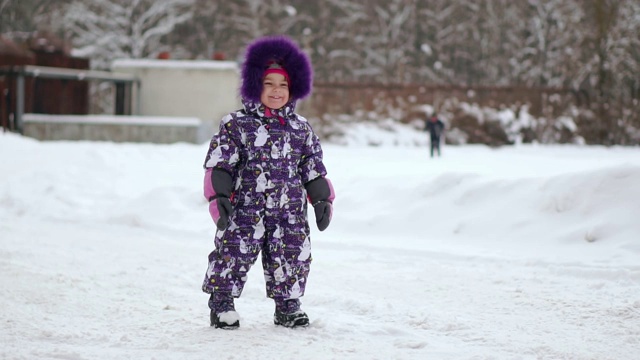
190, 64
114, 119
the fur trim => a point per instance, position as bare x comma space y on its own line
285, 52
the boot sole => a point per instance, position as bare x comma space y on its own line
226, 326
291, 326
302, 321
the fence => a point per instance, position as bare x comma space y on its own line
344, 98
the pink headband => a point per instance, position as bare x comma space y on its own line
275, 68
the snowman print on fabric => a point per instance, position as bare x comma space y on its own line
230, 264
258, 229
271, 202
283, 271
234, 158
247, 248
243, 137
284, 198
275, 151
262, 183
235, 291
216, 156
261, 136
296, 291
286, 147
277, 234
305, 250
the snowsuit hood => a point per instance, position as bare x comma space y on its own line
282, 50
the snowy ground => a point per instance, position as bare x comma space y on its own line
529, 252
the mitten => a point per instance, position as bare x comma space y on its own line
323, 210
321, 195
218, 185
220, 209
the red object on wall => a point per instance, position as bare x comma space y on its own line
219, 55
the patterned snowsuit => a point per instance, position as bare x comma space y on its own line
270, 159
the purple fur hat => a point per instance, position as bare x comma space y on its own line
287, 54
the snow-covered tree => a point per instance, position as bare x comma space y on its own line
548, 52
227, 26
26, 15
108, 29
331, 31
608, 69
389, 44
591, 46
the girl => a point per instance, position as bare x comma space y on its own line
261, 168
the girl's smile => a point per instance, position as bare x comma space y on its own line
275, 91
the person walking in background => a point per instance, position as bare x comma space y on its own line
435, 128
261, 168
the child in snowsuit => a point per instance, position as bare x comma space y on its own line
261, 168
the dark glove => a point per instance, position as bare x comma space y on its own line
321, 195
220, 209
218, 186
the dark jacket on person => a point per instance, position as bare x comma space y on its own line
435, 128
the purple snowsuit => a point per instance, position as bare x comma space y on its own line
270, 159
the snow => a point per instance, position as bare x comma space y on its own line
174, 64
526, 252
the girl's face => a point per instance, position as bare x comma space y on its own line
275, 91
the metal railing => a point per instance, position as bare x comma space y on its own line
123, 83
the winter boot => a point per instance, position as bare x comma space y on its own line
289, 314
223, 312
